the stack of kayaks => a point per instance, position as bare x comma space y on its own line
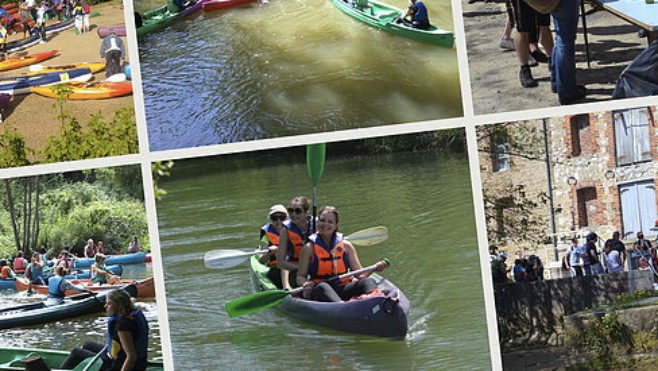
213, 5
161, 17
383, 16
74, 306
11, 359
26, 60
22, 84
145, 288
384, 314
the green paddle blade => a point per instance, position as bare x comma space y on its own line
315, 154
255, 302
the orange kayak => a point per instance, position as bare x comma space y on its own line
145, 288
96, 90
17, 62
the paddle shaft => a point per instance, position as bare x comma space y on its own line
371, 268
93, 360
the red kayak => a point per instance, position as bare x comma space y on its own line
118, 30
212, 5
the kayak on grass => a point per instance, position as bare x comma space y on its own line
93, 66
145, 288
34, 39
383, 313
213, 5
122, 259
22, 84
73, 306
86, 91
11, 359
26, 60
383, 16
10, 283
159, 18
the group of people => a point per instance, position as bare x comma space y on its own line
532, 30
526, 268
305, 252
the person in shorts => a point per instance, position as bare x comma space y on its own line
527, 21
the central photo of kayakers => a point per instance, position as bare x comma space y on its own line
225, 71
76, 289
339, 254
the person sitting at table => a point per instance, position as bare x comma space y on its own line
269, 240
327, 255
100, 274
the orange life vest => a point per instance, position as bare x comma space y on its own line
324, 263
295, 241
19, 265
272, 237
4, 272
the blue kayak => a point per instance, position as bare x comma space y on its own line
10, 283
124, 259
22, 84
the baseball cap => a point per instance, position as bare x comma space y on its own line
278, 209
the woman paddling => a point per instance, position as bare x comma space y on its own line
127, 338
100, 274
294, 234
328, 255
269, 240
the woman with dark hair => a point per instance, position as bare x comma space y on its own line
127, 338
100, 274
293, 236
327, 255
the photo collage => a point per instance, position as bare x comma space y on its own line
211, 184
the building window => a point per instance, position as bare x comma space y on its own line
500, 156
632, 136
581, 135
587, 206
638, 207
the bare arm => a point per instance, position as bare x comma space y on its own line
281, 253
128, 346
304, 262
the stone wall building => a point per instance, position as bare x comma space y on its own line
603, 171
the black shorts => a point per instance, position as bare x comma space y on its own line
527, 18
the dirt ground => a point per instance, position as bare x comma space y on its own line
33, 115
613, 44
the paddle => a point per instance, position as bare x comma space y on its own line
315, 154
219, 259
266, 299
93, 360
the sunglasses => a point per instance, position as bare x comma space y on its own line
274, 218
297, 210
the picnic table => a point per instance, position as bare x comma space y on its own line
637, 12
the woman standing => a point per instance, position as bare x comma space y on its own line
127, 338
327, 255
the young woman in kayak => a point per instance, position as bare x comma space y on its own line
328, 255
294, 234
100, 274
127, 338
57, 286
90, 250
269, 240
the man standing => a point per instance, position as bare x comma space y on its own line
616, 244
595, 266
563, 63
114, 52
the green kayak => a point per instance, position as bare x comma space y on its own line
159, 18
383, 16
11, 359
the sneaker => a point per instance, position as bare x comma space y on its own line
42, 42
581, 92
539, 56
525, 75
532, 62
506, 43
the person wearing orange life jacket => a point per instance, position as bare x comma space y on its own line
5, 271
20, 263
269, 240
293, 236
328, 255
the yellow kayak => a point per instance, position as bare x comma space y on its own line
38, 68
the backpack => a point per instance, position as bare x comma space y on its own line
85, 7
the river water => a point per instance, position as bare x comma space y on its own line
289, 67
72, 333
424, 200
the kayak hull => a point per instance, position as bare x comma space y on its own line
123, 259
214, 5
22, 84
159, 18
378, 315
383, 16
118, 30
18, 62
84, 91
94, 67
34, 39
145, 288
10, 359
38, 313
10, 283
